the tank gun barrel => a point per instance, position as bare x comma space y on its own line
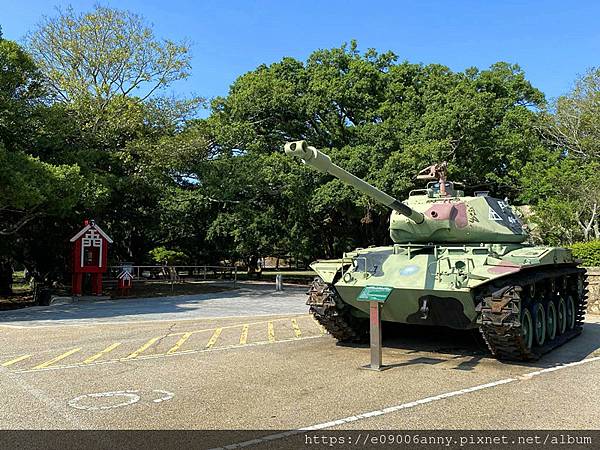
319, 160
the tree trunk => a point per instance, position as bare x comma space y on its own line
6, 276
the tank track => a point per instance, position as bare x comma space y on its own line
500, 324
328, 309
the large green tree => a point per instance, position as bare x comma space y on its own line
80, 122
562, 183
30, 189
107, 70
380, 119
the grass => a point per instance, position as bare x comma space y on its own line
22, 295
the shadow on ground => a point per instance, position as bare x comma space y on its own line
253, 298
455, 344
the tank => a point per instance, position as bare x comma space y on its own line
456, 261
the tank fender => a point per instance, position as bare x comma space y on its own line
328, 269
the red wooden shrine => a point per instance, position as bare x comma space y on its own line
90, 255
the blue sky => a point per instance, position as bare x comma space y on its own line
553, 41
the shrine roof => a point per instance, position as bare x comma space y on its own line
95, 227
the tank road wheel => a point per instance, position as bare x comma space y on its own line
539, 323
561, 315
551, 320
570, 312
527, 328
538, 312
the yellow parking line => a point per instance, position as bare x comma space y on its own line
296, 328
321, 327
15, 360
235, 325
108, 349
58, 358
271, 332
179, 343
244, 335
214, 338
143, 347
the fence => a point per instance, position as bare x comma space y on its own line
175, 273
594, 288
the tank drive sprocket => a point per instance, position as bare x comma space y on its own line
534, 313
334, 315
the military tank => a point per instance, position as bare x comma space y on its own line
456, 261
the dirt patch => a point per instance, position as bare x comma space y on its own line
16, 301
165, 288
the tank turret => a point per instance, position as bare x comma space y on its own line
439, 213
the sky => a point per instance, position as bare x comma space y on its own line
553, 41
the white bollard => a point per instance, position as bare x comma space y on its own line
278, 282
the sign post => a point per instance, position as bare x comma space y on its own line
376, 296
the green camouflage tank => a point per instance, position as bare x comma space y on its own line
457, 261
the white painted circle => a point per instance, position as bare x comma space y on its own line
166, 395
89, 402
79, 402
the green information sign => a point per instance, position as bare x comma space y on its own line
374, 294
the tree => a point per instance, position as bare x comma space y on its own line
105, 54
562, 182
106, 70
574, 125
378, 118
30, 188
565, 194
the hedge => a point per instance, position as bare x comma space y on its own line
588, 252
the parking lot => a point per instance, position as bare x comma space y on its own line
252, 358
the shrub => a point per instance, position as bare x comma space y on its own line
163, 255
588, 252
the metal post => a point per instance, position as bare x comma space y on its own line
205, 273
375, 317
235, 276
376, 296
278, 282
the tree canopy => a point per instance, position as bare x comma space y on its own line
87, 132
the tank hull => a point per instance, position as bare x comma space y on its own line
501, 289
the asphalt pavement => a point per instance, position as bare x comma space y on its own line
252, 358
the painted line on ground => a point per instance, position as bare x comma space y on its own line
100, 354
214, 337
184, 337
244, 334
56, 359
180, 342
144, 347
15, 360
296, 328
321, 327
58, 322
403, 406
163, 355
271, 332
226, 327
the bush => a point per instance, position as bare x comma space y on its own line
163, 255
588, 252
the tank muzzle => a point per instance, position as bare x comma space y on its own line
299, 149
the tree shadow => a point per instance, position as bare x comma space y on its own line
244, 300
